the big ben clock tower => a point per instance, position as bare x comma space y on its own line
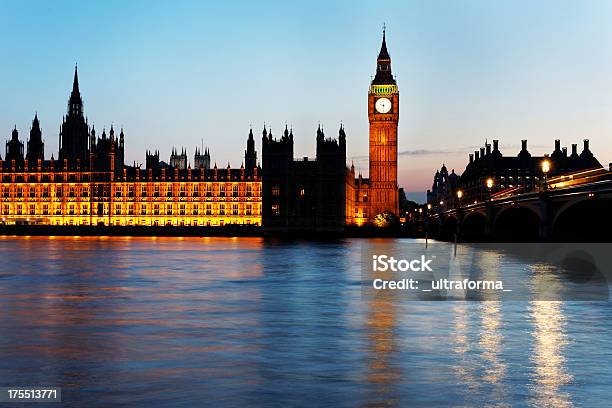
383, 115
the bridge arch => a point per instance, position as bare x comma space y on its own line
474, 225
584, 219
517, 222
448, 227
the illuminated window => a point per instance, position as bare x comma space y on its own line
182, 209
275, 190
208, 190
275, 209
249, 190
117, 209
248, 209
156, 209
222, 190
169, 209
235, 190
302, 193
222, 209
32, 209
208, 209
143, 209
84, 210
235, 209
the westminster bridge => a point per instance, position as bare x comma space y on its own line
575, 207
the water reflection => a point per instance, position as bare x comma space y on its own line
550, 340
175, 322
383, 372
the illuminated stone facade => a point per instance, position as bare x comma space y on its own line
46, 194
90, 184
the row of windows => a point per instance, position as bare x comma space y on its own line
155, 222
73, 209
144, 191
84, 177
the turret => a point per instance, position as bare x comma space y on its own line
250, 155
524, 153
14, 147
36, 147
586, 152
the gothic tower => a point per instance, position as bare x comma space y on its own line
74, 133
36, 147
250, 155
383, 115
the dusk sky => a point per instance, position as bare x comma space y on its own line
174, 73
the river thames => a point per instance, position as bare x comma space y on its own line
184, 322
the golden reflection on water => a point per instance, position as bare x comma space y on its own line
381, 322
491, 340
550, 339
463, 369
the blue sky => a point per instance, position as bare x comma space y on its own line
173, 73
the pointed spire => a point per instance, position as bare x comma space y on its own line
75, 103
75, 82
383, 64
384, 54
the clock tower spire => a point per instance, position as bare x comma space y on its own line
383, 115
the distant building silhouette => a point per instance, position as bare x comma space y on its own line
304, 195
523, 172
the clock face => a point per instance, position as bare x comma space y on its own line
383, 105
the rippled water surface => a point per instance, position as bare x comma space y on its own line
249, 322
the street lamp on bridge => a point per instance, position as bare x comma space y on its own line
489, 184
545, 170
459, 196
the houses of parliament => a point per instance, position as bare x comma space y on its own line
90, 184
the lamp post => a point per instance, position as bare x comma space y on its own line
545, 170
489, 184
459, 196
